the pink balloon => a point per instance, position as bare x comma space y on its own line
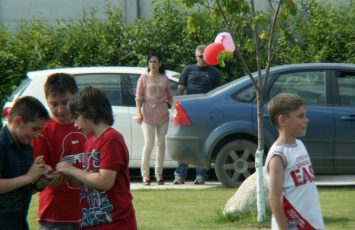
211, 52
226, 40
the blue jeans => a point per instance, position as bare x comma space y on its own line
181, 172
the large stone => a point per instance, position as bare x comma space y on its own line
244, 199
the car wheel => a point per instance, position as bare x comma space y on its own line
235, 162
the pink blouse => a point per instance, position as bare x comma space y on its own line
154, 96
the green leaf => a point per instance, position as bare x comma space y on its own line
264, 35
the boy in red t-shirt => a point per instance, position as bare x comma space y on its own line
105, 198
60, 140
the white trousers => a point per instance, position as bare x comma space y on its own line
149, 133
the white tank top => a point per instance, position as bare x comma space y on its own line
300, 199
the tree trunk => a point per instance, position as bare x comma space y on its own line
260, 197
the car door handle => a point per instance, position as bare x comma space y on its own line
348, 118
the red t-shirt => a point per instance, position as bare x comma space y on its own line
110, 209
59, 142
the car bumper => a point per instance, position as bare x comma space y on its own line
186, 149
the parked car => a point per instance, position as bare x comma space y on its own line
219, 129
119, 83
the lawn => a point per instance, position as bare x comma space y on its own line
201, 209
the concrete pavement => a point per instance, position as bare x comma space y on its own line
322, 181
170, 185
334, 181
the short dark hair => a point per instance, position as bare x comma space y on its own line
60, 83
283, 104
29, 108
157, 55
92, 103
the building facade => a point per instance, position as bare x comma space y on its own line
13, 12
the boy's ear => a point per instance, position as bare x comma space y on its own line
281, 119
17, 120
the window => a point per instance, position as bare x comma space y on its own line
19, 90
173, 87
111, 84
246, 95
346, 86
308, 85
134, 80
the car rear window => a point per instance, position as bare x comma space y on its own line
19, 90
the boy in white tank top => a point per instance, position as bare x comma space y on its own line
293, 193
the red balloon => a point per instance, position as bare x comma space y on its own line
211, 52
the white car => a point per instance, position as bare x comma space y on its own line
119, 83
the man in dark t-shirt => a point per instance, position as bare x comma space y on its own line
198, 79
195, 79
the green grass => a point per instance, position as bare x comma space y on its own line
338, 207
183, 209
202, 209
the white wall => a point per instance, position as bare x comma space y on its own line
14, 11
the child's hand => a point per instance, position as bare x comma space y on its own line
65, 168
57, 179
37, 169
47, 170
39, 160
42, 183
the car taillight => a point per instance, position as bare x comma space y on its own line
180, 117
6, 112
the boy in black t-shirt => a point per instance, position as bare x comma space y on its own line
19, 176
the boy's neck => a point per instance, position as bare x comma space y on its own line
62, 122
286, 139
100, 129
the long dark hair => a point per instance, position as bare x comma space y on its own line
156, 54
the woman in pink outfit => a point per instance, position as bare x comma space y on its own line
152, 98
